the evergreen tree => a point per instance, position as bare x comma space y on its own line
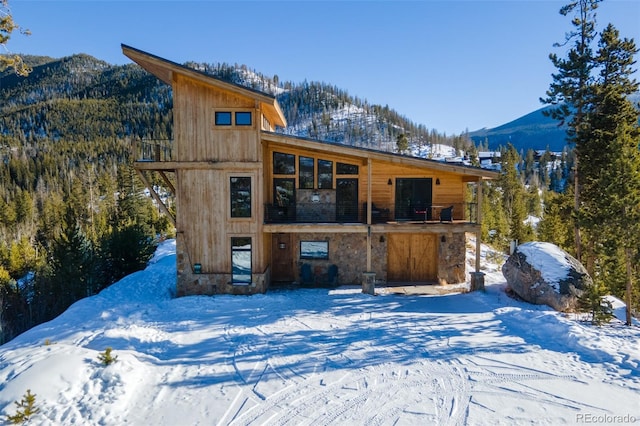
569, 89
611, 194
402, 143
556, 223
71, 268
7, 27
513, 195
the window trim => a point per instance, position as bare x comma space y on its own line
308, 181
331, 185
230, 177
221, 114
273, 163
248, 113
242, 250
233, 120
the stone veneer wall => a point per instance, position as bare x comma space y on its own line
190, 284
452, 256
348, 252
323, 210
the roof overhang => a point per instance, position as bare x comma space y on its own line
470, 174
166, 70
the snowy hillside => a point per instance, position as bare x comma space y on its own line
320, 357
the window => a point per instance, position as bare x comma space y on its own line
223, 118
314, 249
346, 169
325, 174
241, 260
240, 196
306, 172
284, 164
243, 118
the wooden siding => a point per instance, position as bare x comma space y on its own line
451, 189
198, 139
204, 217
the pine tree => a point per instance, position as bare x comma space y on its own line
513, 195
570, 87
402, 143
612, 182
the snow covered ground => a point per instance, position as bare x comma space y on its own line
321, 357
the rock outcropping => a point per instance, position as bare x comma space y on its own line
543, 274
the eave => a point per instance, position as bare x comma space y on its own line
166, 70
470, 174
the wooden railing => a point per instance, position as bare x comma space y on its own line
152, 150
380, 213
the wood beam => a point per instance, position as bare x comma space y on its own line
156, 197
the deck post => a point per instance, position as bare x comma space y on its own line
369, 214
369, 283
479, 224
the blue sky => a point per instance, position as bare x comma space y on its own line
450, 65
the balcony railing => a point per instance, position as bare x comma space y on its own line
153, 150
339, 213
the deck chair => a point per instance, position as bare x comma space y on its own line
306, 275
332, 275
446, 214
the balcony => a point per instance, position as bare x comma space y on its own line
333, 213
152, 150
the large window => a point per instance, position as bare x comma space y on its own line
284, 164
241, 260
305, 178
240, 196
325, 174
346, 169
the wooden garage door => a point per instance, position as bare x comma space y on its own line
412, 258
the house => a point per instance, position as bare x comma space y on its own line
255, 207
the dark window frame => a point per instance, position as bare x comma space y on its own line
347, 169
238, 245
290, 158
242, 123
218, 118
306, 180
237, 210
322, 164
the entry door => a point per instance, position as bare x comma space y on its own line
347, 200
282, 258
413, 198
412, 258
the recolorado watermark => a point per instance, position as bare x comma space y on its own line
606, 419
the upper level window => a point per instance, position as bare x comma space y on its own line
240, 196
306, 172
346, 169
325, 174
284, 164
243, 118
223, 118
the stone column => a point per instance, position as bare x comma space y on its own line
369, 283
477, 281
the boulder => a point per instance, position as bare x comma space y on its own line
543, 274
